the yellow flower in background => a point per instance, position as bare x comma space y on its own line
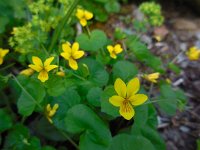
42, 68
3, 53
27, 72
50, 112
60, 73
152, 77
127, 97
83, 16
193, 53
71, 53
114, 50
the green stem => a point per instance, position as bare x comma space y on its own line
8, 66
62, 25
154, 101
20, 85
79, 77
150, 90
88, 30
68, 138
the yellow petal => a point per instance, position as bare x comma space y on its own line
55, 107
66, 47
116, 100
120, 87
126, 110
78, 54
73, 64
83, 22
3, 52
75, 47
48, 61
50, 120
43, 76
138, 99
88, 15
35, 67
66, 55
118, 49
113, 55
37, 61
48, 107
80, 13
133, 87
27, 72
50, 67
110, 48
1, 60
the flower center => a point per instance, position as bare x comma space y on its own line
126, 106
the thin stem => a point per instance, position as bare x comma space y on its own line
8, 66
68, 138
151, 89
17, 81
88, 30
45, 50
62, 25
154, 101
175, 58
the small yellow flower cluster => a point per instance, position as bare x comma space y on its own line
83, 16
3, 53
50, 112
193, 53
114, 50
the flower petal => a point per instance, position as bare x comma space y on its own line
118, 49
48, 61
120, 87
83, 22
66, 55
43, 76
88, 15
4, 52
80, 13
138, 99
116, 100
66, 47
1, 60
50, 67
37, 61
73, 64
35, 67
78, 54
133, 87
127, 111
113, 55
75, 47
110, 48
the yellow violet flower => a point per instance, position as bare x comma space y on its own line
50, 112
193, 53
152, 77
27, 72
3, 53
127, 97
42, 68
114, 50
71, 53
60, 73
83, 16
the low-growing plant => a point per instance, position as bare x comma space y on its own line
75, 84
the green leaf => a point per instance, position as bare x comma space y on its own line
174, 68
130, 142
112, 7
106, 106
96, 40
94, 133
6, 120
124, 70
94, 96
98, 75
27, 101
19, 139
143, 54
55, 85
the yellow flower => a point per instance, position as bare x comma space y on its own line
43, 69
71, 53
27, 72
114, 50
127, 97
152, 77
50, 112
83, 16
3, 53
193, 53
60, 73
